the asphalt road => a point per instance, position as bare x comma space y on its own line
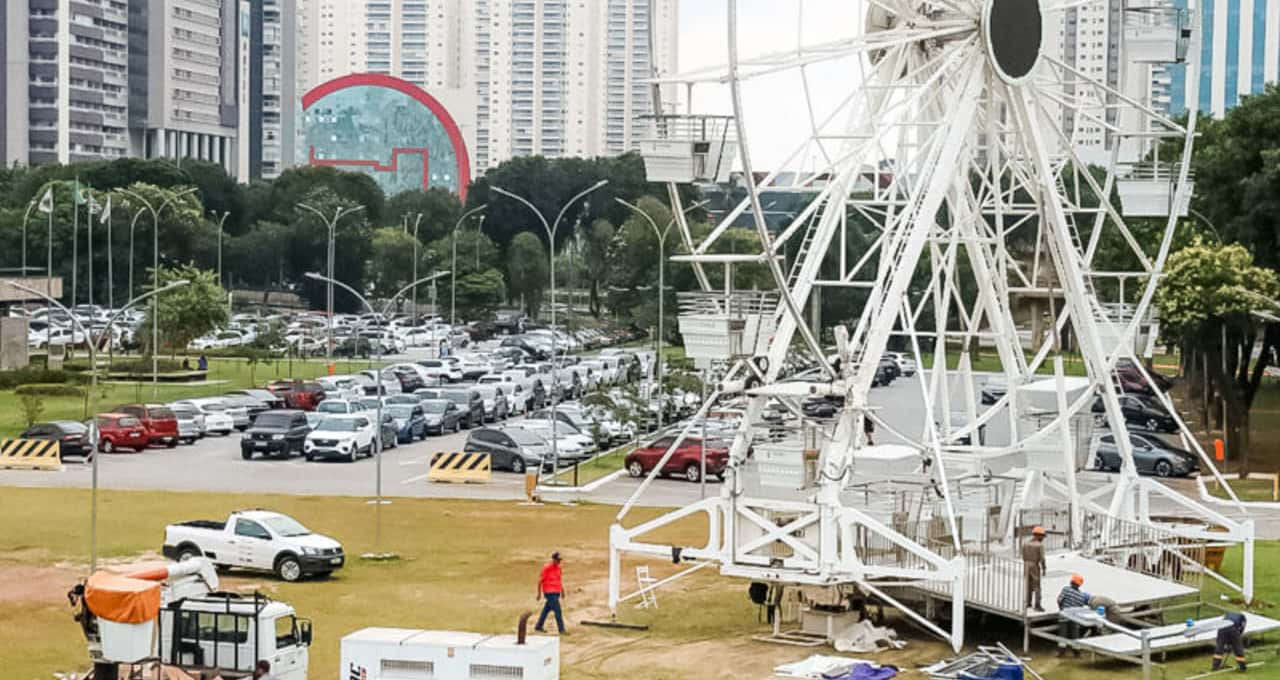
214, 464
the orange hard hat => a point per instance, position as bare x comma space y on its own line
1038, 531
1077, 579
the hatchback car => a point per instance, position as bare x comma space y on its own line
1151, 455
161, 423
119, 431
441, 416
1138, 412
410, 421
469, 402
73, 437
510, 448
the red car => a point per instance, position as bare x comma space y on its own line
685, 461
298, 394
118, 431
160, 422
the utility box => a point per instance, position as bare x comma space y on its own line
13, 343
409, 654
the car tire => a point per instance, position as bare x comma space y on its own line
517, 464
1163, 468
693, 473
635, 469
288, 568
107, 446
171, 444
309, 458
351, 457
246, 454
188, 552
1153, 424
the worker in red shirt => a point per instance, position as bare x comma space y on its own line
550, 585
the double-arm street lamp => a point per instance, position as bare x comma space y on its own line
453, 282
377, 438
155, 274
93, 390
661, 234
551, 248
332, 226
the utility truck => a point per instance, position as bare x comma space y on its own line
174, 617
255, 539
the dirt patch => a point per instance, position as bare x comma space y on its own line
23, 584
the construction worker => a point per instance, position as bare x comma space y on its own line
1231, 637
1071, 596
263, 671
1033, 567
551, 586
1102, 602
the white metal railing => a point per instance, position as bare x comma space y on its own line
690, 127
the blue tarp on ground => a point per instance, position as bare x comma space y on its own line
1008, 671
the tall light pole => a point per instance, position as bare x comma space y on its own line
378, 502
221, 223
132, 225
93, 394
332, 225
662, 282
413, 306
551, 248
25, 217
453, 282
155, 276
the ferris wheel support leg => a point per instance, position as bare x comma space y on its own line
615, 568
1248, 562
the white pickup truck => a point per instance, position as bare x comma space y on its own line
256, 539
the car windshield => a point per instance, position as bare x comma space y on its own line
286, 526
214, 406
400, 411
337, 425
524, 437
332, 407
458, 397
272, 420
435, 405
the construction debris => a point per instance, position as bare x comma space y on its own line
865, 637
986, 663
817, 667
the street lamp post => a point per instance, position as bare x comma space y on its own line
132, 224
93, 393
332, 226
221, 223
377, 541
662, 284
551, 243
413, 305
453, 281
155, 276
25, 218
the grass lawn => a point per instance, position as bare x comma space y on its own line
596, 468
465, 565
1246, 489
224, 375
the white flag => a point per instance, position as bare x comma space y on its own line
94, 208
106, 211
46, 202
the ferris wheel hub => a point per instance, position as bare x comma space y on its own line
1013, 30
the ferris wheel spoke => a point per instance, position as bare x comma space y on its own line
1111, 92
1070, 4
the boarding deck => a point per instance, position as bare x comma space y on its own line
1167, 639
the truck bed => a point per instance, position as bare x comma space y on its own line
203, 524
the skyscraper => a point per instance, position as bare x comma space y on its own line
1239, 54
64, 87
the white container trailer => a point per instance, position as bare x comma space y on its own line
409, 654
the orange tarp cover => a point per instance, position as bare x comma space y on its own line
122, 599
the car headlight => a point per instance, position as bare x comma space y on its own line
277, 437
310, 551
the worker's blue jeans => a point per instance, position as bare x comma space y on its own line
552, 605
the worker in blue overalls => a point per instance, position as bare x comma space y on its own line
1232, 638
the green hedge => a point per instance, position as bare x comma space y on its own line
131, 365
49, 390
33, 374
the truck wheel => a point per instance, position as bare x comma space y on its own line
188, 552
288, 568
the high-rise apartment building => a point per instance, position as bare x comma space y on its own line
273, 77
1239, 55
64, 88
522, 77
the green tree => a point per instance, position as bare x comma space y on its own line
596, 258
1207, 302
439, 208
189, 312
353, 240
527, 270
391, 266
479, 294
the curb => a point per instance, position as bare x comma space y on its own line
586, 488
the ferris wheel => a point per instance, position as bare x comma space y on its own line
964, 175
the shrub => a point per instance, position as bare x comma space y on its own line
32, 408
48, 390
33, 374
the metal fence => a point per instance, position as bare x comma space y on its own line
1143, 548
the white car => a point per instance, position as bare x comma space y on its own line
341, 436
517, 397
345, 388
567, 449
441, 370
339, 407
255, 539
216, 416
905, 362
369, 379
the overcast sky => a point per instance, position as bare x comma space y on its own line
775, 110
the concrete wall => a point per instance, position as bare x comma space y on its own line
13, 343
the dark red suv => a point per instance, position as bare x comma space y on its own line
160, 422
685, 461
118, 431
298, 394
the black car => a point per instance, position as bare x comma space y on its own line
275, 433
469, 401
442, 416
891, 370
409, 379
1138, 412
820, 408
994, 390
74, 437
1150, 455
511, 448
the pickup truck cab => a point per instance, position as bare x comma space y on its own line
260, 540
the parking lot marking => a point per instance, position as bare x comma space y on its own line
411, 480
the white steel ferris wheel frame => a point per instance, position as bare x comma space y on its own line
935, 85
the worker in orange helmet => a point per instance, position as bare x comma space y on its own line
1070, 597
1033, 567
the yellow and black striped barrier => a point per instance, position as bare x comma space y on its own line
460, 467
30, 454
